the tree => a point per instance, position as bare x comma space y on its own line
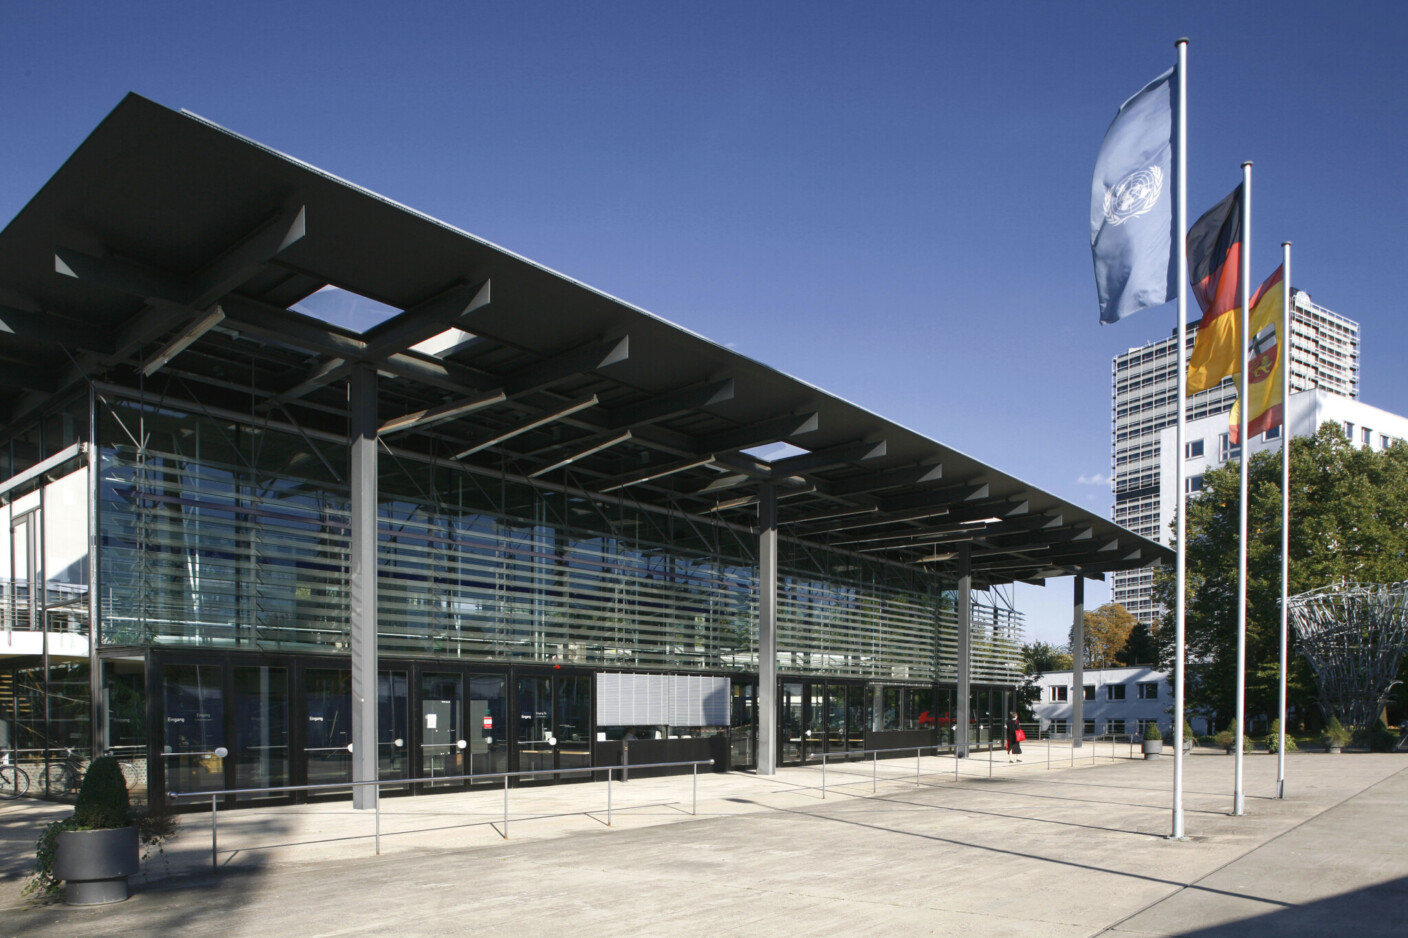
1040, 657
1349, 518
1141, 648
1037, 659
1107, 630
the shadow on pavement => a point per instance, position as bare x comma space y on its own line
1364, 913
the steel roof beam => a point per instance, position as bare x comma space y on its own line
570, 363
540, 421
818, 460
44, 326
427, 319
889, 478
773, 430
671, 403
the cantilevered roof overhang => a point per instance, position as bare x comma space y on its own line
168, 251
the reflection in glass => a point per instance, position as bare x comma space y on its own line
260, 742
195, 727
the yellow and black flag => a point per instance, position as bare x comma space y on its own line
1264, 361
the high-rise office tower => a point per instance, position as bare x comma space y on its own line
1324, 354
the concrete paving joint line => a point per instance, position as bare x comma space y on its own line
1110, 928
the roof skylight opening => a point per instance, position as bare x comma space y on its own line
446, 343
339, 307
772, 452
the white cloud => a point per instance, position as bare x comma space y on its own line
1098, 478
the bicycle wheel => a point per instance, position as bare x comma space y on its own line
59, 779
14, 781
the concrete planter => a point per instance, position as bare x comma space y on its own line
1153, 748
94, 865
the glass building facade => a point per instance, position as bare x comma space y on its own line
222, 618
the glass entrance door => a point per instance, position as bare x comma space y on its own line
855, 718
791, 710
194, 710
554, 724
442, 742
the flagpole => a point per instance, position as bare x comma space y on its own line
1238, 803
1285, 504
1180, 569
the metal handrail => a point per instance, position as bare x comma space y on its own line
875, 761
437, 780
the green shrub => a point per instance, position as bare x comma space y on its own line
102, 800
1188, 734
1273, 739
1153, 733
1336, 734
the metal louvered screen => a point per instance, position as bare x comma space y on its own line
655, 699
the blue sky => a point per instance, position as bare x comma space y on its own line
888, 200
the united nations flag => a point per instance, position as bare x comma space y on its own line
1131, 205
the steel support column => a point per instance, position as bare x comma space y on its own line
1078, 662
963, 712
362, 424
97, 706
767, 630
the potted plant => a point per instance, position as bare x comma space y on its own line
1273, 739
94, 851
1153, 742
1226, 739
1336, 736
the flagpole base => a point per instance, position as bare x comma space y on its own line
1239, 805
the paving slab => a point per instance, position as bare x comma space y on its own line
1065, 851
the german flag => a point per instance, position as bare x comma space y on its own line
1214, 260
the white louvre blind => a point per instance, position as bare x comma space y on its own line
654, 699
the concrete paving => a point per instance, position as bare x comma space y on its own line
1032, 850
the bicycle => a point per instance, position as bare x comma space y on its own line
63, 778
14, 781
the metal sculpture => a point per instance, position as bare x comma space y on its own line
1354, 635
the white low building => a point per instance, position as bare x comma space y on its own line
1117, 701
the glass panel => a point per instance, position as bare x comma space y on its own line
574, 722
260, 729
195, 727
19, 574
894, 709
741, 729
391, 724
855, 717
441, 701
836, 718
919, 708
125, 703
488, 723
534, 723
790, 710
327, 695
816, 722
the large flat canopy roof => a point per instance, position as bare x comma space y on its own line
170, 251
